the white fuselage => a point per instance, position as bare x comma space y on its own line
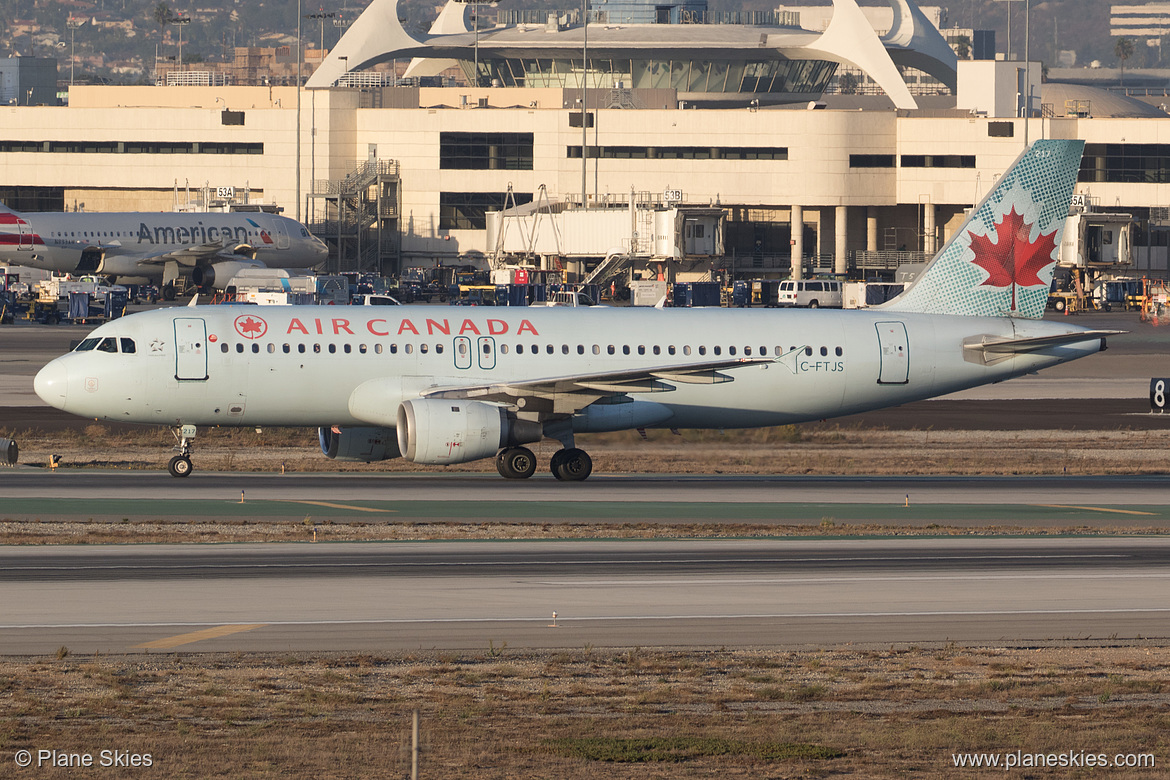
300, 366
135, 244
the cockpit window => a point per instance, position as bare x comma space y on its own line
87, 345
127, 346
108, 345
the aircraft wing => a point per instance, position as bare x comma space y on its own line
569, 394
190, 255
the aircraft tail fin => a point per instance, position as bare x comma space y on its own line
1000, 262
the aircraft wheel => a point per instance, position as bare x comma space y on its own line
516, 463
1059, 305
180, 466
571, 465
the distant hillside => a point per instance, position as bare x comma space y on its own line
111, 52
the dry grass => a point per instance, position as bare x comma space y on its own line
813, 449
496, 714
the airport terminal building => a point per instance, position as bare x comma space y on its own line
701, 122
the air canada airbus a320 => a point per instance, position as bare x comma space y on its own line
445, 386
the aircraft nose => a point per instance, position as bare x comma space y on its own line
52, 383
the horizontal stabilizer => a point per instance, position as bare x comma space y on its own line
992, 349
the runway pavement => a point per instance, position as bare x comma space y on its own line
1115, 501
400, 596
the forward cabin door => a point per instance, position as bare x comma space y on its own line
190, 348
895, 353
281, 235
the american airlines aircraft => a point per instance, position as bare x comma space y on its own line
451, 385
157, 247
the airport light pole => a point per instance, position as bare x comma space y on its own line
181, 21
72, 23
340, 24
584, 110
321, 16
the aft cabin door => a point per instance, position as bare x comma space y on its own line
487, 353
895, 353
190, 348
25, 240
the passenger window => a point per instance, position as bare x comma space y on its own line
378, 349
393, 349
716, 350
702, 350
808, 351
824, 351
255, 349
423, 348
519, 349
596, 350
641, 349
549, 349
747, 350
687, 350
301, 348
580, 349
286, 348
362, 348
731, 350
128, 346
535, 349
564, 349
840, 352
317, 349
271, 348
625, 349
438, 348
332, 349
611, 349
409, 348
240, 348
223, 348
503, 349
670, 349
347, 348
657, 350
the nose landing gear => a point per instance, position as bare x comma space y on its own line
180, 465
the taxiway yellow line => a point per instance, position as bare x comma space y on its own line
196, 636
1097, 509
336, 506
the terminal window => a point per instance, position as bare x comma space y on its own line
485, 151
1126, 163
468, 210
871, 161
938, 161
682, 152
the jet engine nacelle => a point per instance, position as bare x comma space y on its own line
442, 432
364, 445
218, 275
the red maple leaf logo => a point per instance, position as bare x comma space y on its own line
1013, 259
251, 327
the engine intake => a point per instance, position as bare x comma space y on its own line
218, 275
362, 445
443, 432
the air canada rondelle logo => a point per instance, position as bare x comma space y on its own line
251, 327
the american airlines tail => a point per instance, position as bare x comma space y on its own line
1000, 262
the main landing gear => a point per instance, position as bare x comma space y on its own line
568, 465
180, 465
